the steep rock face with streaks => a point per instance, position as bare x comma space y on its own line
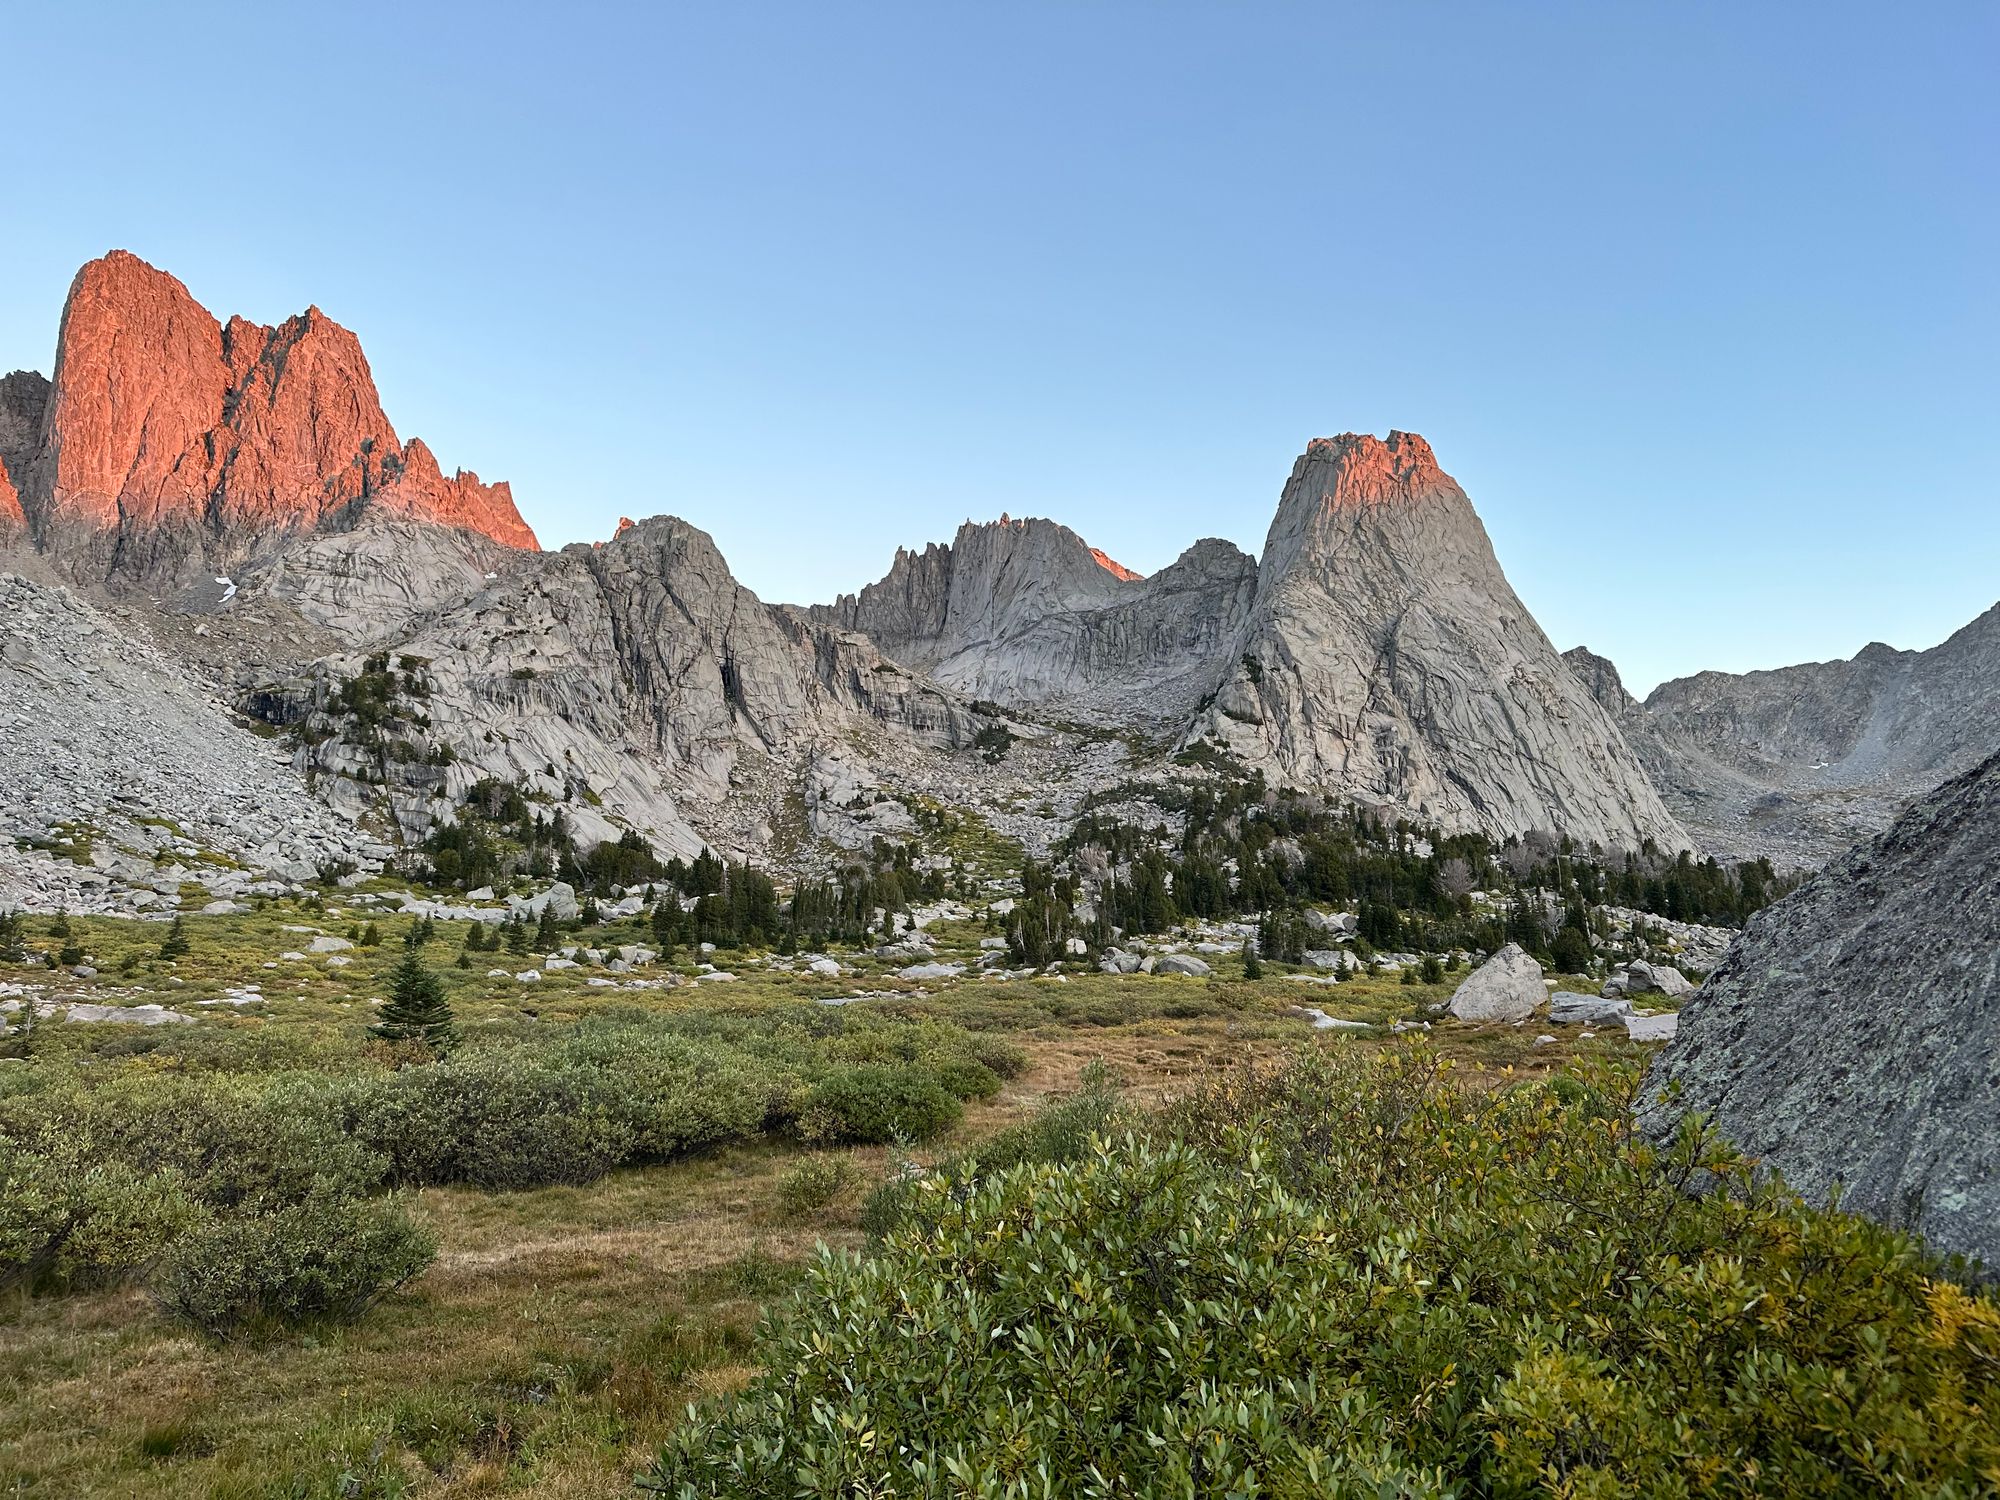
1848, 1037
1798, 763
1386, 658
1025, 613
631, 678
24, 402
172, 445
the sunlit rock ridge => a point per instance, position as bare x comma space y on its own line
170, 444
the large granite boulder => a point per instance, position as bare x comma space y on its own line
1849, 1037
1507, 987
1566, 1008
1642, 978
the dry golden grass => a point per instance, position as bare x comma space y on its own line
558, 1336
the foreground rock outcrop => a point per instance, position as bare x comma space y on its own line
1387, 659
169, 444
1849, 1038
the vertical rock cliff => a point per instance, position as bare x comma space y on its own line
170, 443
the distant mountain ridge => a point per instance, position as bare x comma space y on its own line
1377, 652
1799, 762
1026, 613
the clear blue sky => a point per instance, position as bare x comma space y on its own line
1697, 301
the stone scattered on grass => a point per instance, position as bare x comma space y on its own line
1507, 987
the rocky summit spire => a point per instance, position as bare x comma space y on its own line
172, 441
1387, 659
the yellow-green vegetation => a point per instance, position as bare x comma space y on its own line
1349, 1276
613, 1182
964, 836
72, 841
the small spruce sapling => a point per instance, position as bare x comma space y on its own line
416, 1010
13, 951
175, 944
666, 930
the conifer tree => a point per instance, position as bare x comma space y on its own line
666, 929
416, 1010
1252, 967
548, 932
175, 944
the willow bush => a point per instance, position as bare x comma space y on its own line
1354, 1276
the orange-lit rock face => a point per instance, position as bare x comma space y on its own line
11, 516
1358, 468
1115, 568
160, 415
139, 388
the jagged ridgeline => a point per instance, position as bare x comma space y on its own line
234, 493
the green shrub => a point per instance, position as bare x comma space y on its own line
1002, 1058
496, 1120
872, 1105
70, 1219
521, 1117
233, 1142
1059, 1132
325, 1259
813, 1184
1351, 1277
675, 1094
